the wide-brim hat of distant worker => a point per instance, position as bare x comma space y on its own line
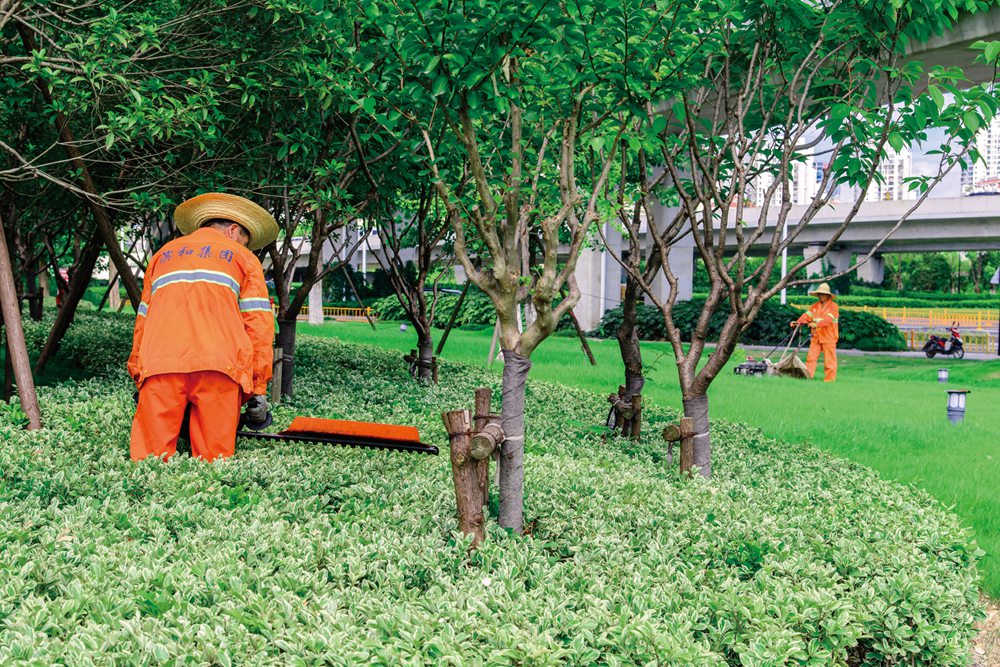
257, 222
824, 288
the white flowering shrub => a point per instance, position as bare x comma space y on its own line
302, 554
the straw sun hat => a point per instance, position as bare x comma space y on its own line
258, 223
824, 288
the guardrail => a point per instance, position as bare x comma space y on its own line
983, 319
337, 313
973, 342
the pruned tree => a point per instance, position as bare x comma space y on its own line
524, 91
770, 83
412, 230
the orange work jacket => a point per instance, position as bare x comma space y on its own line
204, 307
827, 319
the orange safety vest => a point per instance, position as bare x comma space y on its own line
205, 307
827, 319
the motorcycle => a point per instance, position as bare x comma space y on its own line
952, 347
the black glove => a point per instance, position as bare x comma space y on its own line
257, 413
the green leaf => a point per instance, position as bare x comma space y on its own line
992, 51
937, 96
896, 141
659, 124
971, 119
440, 85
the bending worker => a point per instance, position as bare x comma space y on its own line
823, 318
204, 330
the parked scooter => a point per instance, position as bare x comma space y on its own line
949, 348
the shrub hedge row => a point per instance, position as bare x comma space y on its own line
858, 330
301, 554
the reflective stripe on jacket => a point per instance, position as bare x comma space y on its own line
204, 307
827, 319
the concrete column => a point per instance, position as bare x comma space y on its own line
316, 303
114, 296
588, 278
612, 269
680, 257
839, 260
815, 268
599, 277
460, 276
873, 271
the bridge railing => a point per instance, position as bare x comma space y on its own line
338, 313
978, 319
981, 319
973, 342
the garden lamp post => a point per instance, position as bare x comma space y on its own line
402, 327
956, 405
942, 375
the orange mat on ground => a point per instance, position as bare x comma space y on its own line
389, 432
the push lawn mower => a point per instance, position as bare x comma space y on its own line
788, 365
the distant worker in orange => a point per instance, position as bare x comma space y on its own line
204, 330
823, 318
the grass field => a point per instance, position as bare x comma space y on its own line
885, 412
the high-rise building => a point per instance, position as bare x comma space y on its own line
981, 175
894, 168
802, 186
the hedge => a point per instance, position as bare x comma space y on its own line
306, 555
477, 309
858, 330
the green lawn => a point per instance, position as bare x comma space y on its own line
885, 412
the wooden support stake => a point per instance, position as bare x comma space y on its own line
582, 337
434, 370
672, 433
493, 343
468, 494
636, 417
484, 398
454, 316
687, 445
487, 440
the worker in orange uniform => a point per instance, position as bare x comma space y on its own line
204, 330
823, 318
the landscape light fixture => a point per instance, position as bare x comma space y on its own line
942, 375
956, 405
402, 328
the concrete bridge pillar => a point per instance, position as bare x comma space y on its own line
839, 260
814, 268
873, 271
316, 303
598, 276
680, 257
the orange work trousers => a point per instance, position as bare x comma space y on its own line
829, 351
215, 401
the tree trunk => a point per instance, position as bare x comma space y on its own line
77, 288
286, 341
628, 342
696, 408
8, 372
17, 349
33, 292
425, 354
515, 376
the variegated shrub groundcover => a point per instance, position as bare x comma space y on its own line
315, 555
